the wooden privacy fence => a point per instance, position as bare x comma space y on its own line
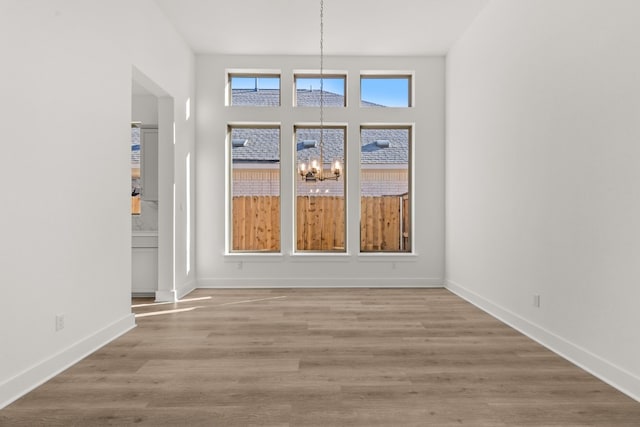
384, 223
320, 223
256, 223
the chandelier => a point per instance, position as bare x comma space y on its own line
313, 169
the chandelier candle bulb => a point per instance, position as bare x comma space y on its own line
314, 165
336, 167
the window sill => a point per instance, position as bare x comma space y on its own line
388, 256
320, 257
253, 256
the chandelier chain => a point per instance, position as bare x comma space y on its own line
321, 73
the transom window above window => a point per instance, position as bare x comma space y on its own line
309, 92
254, 90
385, 91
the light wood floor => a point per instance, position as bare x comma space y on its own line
352, 357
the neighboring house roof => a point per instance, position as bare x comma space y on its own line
397, 152
305, 97
251, 147
262, 97
262, 145
311, 97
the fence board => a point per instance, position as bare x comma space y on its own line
363, 214
406, 223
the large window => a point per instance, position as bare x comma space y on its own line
385, 91
254, 90
385, 191
320, 198
315, 219
309, 91
255, 188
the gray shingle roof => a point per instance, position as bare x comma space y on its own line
333, 140
260, 97
396, 153
311, 98
263, 145
305, 98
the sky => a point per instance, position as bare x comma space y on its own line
385, 91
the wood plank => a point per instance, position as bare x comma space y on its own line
393, 221
339, 235
369, 224
325, 228
301, 229
363, 220
275, 224
407, 221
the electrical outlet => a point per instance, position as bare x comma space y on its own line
59, 322
536, 301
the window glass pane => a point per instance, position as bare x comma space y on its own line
385, 91
308, 91
255, 189
385, 196
320, 196
260, 91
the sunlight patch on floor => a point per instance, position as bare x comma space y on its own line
158, 313
170, 302
250, 300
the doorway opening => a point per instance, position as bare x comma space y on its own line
152, 198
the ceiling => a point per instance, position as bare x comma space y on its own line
292, 27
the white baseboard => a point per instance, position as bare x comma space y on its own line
166, 296
615, 376
225, 283
24, 382
186, 289
175, 294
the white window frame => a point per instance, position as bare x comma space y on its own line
229, 186
389, 74
315, 74
257, 73
297, 178
411, 188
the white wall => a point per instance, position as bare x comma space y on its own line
65, 227
542, 195
425, 268
144, 108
